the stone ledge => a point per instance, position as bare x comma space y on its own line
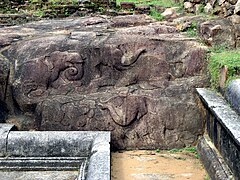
88, 151
222, 111
233, 94
212, 160
41, 163
223, 128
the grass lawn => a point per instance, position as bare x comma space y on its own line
218, 59
165, 3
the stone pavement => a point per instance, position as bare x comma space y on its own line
39, 175
150, 165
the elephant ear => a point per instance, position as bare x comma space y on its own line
48, 62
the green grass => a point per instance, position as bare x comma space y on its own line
191, 149
219, 58
192, 29
164, 3
206, 177
156, 14
39, 7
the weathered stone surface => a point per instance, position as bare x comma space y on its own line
223, 128
88, 152
224, 8
208, 8
227, 117
237, 35
195, 1
170, 13
4, 131
232, 1
49, 144
223, 77
212, 160
228, 9
189, 7
142, 9
216, 32
237, 8
127, 5
92, 74
235, 20
40, 175
4, 74
99, 162
233, 94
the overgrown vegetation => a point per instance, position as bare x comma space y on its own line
154, 12
51, 8
192, 29
190, 149
219, 57
164, 3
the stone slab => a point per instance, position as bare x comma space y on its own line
99, 162
87, 152
223, 128
42, 163
50, 143
233, 94
223, 112
38, 175
213, 162
4, 132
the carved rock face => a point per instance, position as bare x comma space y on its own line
38, 75
92, 74
4, 74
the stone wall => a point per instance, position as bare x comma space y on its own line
223, 129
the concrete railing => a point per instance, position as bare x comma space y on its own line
88, 151
220, 148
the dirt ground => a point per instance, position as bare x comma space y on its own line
151, 165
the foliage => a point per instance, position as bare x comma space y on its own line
164, 3
153, 11
42, 7
156, 14
158, 150
220, 57
206, 177
200, 9
192, 29
191, 149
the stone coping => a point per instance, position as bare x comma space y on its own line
88, 151
228, 118
233, 94
212, 160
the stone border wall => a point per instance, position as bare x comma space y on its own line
223, 129
56, 150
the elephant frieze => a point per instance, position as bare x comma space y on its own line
39, 74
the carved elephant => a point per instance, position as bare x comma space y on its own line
39, 74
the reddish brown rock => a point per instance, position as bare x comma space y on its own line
142, 9
216, 32
223, 77
92, 74
127, 5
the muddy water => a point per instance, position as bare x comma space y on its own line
150, 165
